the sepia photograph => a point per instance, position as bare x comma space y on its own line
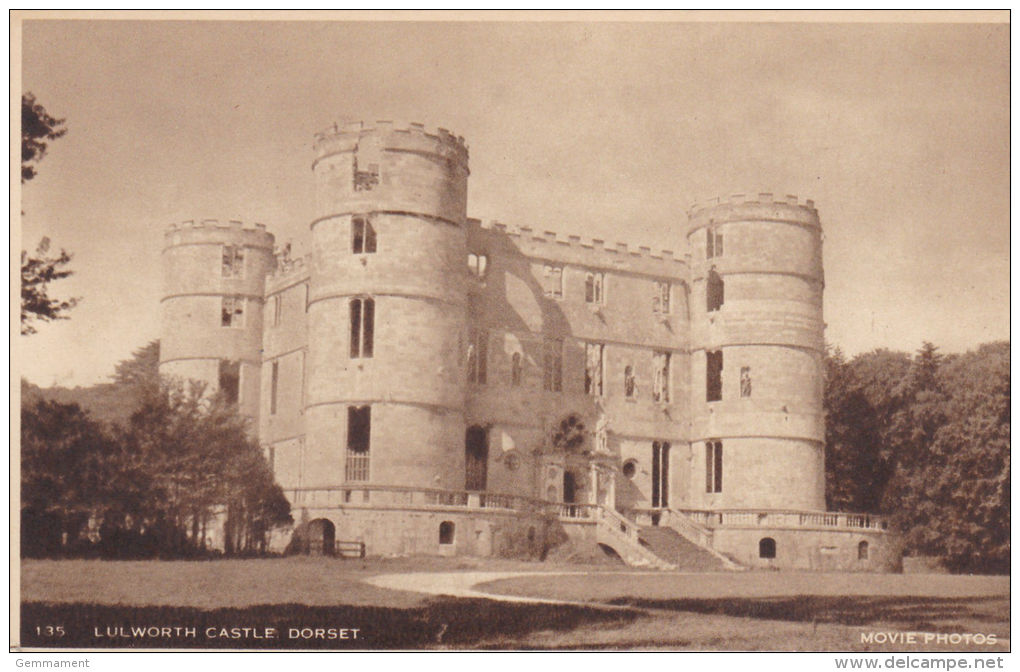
547, 331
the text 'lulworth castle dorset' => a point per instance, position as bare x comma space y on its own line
425, 383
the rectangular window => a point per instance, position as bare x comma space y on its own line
660, 474
362, 328
593, 368
230, 379
713, 375
714, 244
661, 302
478, 264
366, 176
277, 309
233, 261
552, 365
745, 382
362, 236
232, 311
553, 281
274, 383
359, 433
478, 356
661, 364
713, 466
594, 288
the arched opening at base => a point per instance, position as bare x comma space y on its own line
610, 553
321, 537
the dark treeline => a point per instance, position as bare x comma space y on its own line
151, 482
925, 439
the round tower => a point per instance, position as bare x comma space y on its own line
757, 354
386, 310
214, 278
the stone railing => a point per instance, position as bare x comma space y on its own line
788, 519
398, 497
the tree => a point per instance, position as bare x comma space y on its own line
38, 127
36, 274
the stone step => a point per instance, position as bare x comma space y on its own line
674, 549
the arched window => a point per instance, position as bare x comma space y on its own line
714, 292
767, 548
446, 532
862, 550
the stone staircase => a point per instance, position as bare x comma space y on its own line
673, 549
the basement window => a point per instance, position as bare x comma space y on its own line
446, 530
767, 548
862, 550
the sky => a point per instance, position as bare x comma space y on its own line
898, 132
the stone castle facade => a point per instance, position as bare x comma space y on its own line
427, 383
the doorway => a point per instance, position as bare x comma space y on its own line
569, 488
321, 537
476, 458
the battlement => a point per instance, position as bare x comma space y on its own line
594, 252
233, 224
393, 128
762, 198
288, 268
230, 231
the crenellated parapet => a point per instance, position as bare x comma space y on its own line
582, 251
289, 270
212, 231
762, 206
395, 136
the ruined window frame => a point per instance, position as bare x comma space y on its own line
232, 312
478, 357
715, 291
363, 235
595, 288
552, 365
553, 281
662, 366
714, 366
662, 301
713, 243
232, 261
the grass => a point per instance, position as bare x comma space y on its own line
649, 610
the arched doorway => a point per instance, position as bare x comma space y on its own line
321, 537
476, 458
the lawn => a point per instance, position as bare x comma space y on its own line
649, 610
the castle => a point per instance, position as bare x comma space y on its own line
428, 383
